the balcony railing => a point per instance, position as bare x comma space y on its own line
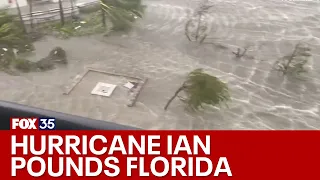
63, 121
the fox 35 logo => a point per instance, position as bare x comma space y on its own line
27, 123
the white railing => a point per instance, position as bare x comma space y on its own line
54, 14
89, 3
49, 15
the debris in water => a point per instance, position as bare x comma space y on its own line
103, 89
129, 85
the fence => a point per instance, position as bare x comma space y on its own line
49, 15
54, 14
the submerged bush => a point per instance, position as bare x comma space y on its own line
44, 64
197, 26
294, 64
57, 54
23, 65
91, 24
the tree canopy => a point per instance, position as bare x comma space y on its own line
122, 13
11, 32
12, 36
201, 88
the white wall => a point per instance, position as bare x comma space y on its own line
6, 3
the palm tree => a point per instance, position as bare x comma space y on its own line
61, 13
11, 33
103, 14
11, 36
20, 17
122, 13
201, 88
196, 27
72, 7
31, 13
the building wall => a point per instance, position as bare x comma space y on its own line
12, 3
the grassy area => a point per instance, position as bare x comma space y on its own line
90, 24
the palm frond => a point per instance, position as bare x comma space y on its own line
202, 88
122, 13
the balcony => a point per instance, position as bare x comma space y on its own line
63, 121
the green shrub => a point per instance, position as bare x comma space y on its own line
6, 57
122, 13
294, 64
58, 54
90, 24
23, 65
44, 64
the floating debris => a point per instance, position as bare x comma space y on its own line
129, 85
103, 89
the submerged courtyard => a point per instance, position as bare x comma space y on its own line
157, 49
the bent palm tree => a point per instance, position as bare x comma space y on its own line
122, 13
196, 28
31, 13
201, 88
20, 17
61, 13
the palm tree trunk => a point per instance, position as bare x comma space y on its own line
290, 60
174, 96
103, 14
72, 8
103, 17
198, 28
186, 29
61, 13
31, 13
20, 17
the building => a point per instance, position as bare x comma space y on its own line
12, 3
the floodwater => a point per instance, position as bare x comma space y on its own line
158, 50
